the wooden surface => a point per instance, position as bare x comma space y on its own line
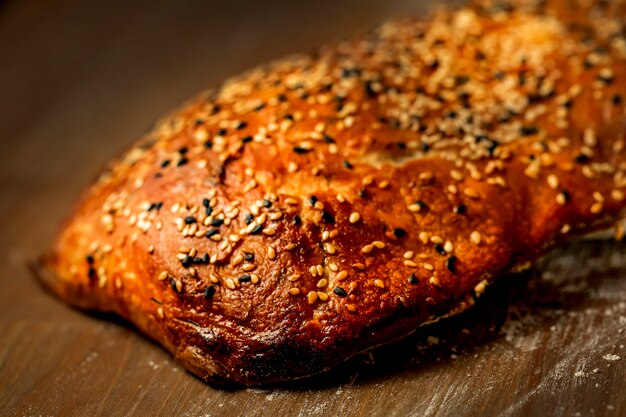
80, 80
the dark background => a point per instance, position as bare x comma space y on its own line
80, 80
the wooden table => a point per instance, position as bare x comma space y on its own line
79, 80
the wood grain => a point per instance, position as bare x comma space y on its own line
80, 80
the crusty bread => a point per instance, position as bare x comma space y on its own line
328, 203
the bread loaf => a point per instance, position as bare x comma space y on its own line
327, 203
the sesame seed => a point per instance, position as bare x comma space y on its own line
294, 291
563, 197
451, 264
311, 297
162, 276
378, 244
617, 195
408, 254
367, 248
209, 292
596, 207
553, 181
293, 277
322, 283
475, 237
230, 284
379, 283
354, 217
471, 193
399, 232
341, 276
322, 296
330, 248
434, 281
340, 292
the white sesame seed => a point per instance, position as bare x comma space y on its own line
475, 237
354, 217
553, 181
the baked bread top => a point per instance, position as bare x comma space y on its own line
331, 202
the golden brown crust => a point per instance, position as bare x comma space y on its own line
325, 204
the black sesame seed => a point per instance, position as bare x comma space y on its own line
244, 278
92, 273
617, 100
248, 256
173, 284
451, 264
461, 80
208, 144
313, 200
328, 139
222, 132
257, 229
439, 248
328, 218
460, 209
582, 158
165, 163
187, 261
155, 206
413, 279
566, 195
183, 161
211, 232
190, 220
247, 139
297, 220
529, 130
259, 107
369, 90
267, 203
249, 218
301, 150
183, 150
399, 232
241, 125
217, 222
209, 292
206, 202
347, 164
209, 211
89, 259
606, 79
425, 147
422, 205
340, 292
450, 114
204, 259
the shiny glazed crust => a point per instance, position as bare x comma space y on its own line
328, 203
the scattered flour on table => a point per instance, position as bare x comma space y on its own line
610, 357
